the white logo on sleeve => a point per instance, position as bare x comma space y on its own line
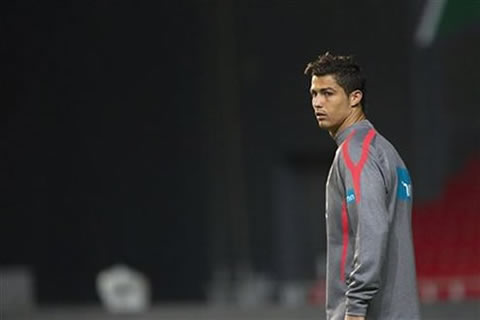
408, 189
404, 187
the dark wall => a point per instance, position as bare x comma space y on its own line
103, 144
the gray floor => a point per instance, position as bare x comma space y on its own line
451, 311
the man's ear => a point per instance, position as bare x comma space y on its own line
355, 98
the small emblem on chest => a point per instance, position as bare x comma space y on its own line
350, 195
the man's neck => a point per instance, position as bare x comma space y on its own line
353, 118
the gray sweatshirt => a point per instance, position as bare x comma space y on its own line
370, 257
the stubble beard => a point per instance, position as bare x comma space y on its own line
322, 124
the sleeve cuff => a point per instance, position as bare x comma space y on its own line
356, 308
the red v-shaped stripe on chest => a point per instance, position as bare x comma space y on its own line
356, 169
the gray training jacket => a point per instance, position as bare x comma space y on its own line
370, 257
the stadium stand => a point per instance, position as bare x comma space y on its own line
447, 239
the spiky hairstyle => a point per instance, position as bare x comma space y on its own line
344, 69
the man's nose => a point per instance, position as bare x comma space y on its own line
317, 103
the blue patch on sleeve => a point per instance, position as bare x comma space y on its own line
350, 195
404, 188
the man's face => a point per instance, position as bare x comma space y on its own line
330, 102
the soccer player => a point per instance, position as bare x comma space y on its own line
370, 256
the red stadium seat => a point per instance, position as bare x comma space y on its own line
447, 239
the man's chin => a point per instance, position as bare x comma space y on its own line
323, 125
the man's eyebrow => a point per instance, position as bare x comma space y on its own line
327, 88
322, 89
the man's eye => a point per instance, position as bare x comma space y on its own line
327, 93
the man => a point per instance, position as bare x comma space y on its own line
370, 257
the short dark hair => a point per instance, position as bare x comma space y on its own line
344, 69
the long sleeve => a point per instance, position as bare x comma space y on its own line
369, 226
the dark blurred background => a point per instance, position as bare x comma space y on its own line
177, 137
